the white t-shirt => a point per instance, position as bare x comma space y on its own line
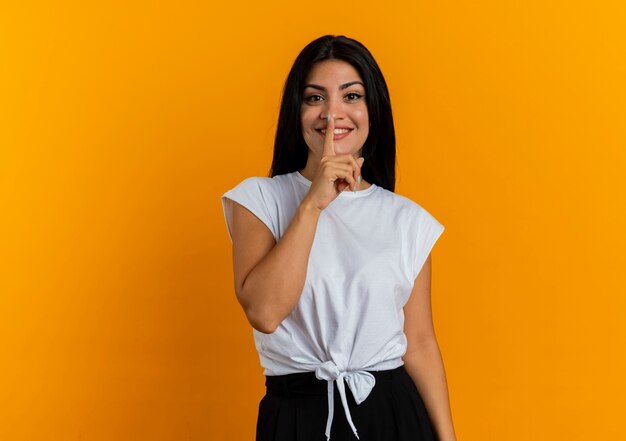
368, 249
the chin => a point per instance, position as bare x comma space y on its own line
339, 149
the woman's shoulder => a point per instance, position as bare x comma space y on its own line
263, 183
400, 201
411, 209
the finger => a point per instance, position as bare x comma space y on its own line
357, 169
343, 186
360, 162
329, 146
343, 174
356, 166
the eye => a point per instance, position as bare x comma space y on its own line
312, 98
353, 96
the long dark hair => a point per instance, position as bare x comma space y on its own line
379, 149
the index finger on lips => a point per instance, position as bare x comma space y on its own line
329, 146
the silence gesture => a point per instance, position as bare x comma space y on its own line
335, 173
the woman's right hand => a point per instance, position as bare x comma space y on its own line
335, 173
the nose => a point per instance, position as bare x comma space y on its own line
333, 107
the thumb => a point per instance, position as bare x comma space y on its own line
360, 160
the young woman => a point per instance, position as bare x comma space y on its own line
332, 268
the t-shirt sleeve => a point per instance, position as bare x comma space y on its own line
255, 195
427, 231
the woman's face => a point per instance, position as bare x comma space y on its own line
334, 87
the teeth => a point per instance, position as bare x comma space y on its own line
337, 131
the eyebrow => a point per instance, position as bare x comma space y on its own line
343, 86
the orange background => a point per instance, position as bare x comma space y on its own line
121, 124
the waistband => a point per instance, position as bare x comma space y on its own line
324, 380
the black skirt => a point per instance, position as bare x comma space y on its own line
295, 408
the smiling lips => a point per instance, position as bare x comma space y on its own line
338, 133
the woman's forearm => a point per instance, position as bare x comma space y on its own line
425, 366
273, 287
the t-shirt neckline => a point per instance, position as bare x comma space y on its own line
347, 193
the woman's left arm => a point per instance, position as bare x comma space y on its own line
423, 359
